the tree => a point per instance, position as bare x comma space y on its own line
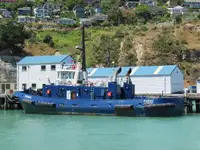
12, 37
168, 49
127, 55
49, 40
180, 2
121, 2
71, 3
178, 19
143, 11
111, 8
160, 2
129, 17
198, 16
105, 50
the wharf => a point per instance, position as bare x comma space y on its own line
8, 103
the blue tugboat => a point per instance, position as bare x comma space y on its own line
72, 94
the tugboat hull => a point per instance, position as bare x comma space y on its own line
38, 108
160, 107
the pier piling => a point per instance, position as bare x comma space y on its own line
7, 102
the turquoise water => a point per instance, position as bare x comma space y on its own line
19, 131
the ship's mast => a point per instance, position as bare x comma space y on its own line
83, 48
83, 53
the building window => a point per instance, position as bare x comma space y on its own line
15, 86
7, 86
33, 85
24, 86
43, 68
24, 68
2, 76
12, 74
53, 67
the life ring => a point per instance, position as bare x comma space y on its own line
74, 67
48, 92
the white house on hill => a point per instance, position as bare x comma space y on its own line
178, 10
35, 71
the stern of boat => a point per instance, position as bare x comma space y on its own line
165, 107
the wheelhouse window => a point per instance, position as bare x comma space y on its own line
24, 68
12, 74
43, 68
7, 86
80, 76
53, 67
67, 75
33, 85
24, 86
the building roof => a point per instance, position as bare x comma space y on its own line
192, 0
25, 8
46, 59
136, 71
78, 6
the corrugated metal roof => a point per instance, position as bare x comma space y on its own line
167, 69
46, 59
90, 69
136, 70
143, 70
103, 72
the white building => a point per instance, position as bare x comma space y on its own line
86, 21
35, 71
41, 12
7, 78
178, 10
99, 17
147, 79
198, 85
66, 21
192, 3
148, 2
25, 19
51, 6
46, 10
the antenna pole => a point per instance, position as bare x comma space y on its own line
83, 48
83, 53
